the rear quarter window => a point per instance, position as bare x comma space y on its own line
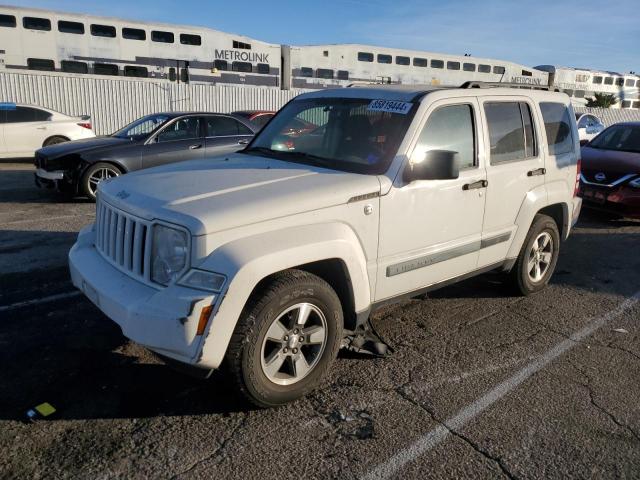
557, 125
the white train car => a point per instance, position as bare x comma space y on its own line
321, 66
581, 84
73, 44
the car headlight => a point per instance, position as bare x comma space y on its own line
635, 182
203, 280
168, 254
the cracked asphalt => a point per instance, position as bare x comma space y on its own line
121, 413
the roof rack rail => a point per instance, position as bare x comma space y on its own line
477, 84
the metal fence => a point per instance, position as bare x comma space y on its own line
609, 116
114, 103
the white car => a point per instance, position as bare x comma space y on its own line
26, 128
588, 127
272, 258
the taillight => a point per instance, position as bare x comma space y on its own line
85, 125
578, 169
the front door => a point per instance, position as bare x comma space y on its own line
430, 230
180, 140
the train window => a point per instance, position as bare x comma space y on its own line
484, 68
241, 67
636, 104
263, 68
35, 23
134, 34
630, 82
568, 92
74, 67
103, 31
384, 58
420, 62
65, 26
306, 72
343, 75
579, 93
365, 57
620, 82
526, 73
220, 65
241, 45
188, 39
184, 74
172, 74
162, 37
105, 69
626, 104
608, 80
324, 73
637, 83
453, 65
437, 64
7, 21
403, 61
469, 67
498, 70
325, 53
132, 71
41, 64
597, 80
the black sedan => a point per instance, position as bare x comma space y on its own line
77, 167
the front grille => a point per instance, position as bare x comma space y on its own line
124, 240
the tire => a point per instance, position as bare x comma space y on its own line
54, 140
253, 356
93, 175
524, 278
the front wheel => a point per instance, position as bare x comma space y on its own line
286, 340
94, 175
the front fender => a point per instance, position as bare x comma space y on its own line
248, 260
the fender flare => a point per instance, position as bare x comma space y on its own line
534, 201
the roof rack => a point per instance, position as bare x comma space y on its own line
476, 84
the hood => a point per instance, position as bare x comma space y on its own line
82, 146
222, 193
613, 161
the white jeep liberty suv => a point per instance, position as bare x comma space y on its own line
272, 258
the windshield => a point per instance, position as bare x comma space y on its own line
142, 127
624, 138
354, 135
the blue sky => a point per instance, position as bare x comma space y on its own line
582, 33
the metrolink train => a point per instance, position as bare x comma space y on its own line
44, 42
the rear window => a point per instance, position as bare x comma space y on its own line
557, 124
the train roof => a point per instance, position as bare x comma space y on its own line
554, 68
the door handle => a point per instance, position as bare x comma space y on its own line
474, 185
195, 147
537, 171
243, 142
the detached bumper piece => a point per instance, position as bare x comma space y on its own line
365, 340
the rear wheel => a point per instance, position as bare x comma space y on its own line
94, 175
54, 140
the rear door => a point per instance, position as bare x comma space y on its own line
515, 167
181, 139
225, 135
26, 129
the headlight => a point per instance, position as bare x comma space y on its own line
203, 280
168, 254
635, 183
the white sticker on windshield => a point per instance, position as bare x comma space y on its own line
391, 106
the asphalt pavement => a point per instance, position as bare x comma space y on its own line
482, 384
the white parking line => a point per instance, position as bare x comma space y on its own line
51, 298
47, 219
468, 413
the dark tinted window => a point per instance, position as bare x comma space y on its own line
343, 75
630, 82
365, 57
70, 27
506, 132
225, 127
557, 124
188, 39
103, 31
105, 69
403, 60
449, 128
498, 70
384, 58
437, 64
241, 45
579, 93
133, 71
608, 80
172, 74
262, 68
530, 144
637, 83
626, 104
7, 21
41, 64
241, 67
453, 65
484, 68
597, 80
74, 67
26, 114
324, 73
469, 67
220, 64
420, 62
35, 23
636, 104
620, 81
134, 34
526, 73
162, 37
306, 72
182, 129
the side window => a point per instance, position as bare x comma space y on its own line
557, 124
261, 120
183, 129
225, 127
449, 128
511, 133
530, 144
26, 114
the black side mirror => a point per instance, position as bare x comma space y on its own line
436, 165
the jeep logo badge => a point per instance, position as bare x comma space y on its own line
601, 177
122, 194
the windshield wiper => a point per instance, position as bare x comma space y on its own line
327, 162
265, 150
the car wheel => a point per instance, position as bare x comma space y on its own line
54, 141
94, 175
538, 257
286, 339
